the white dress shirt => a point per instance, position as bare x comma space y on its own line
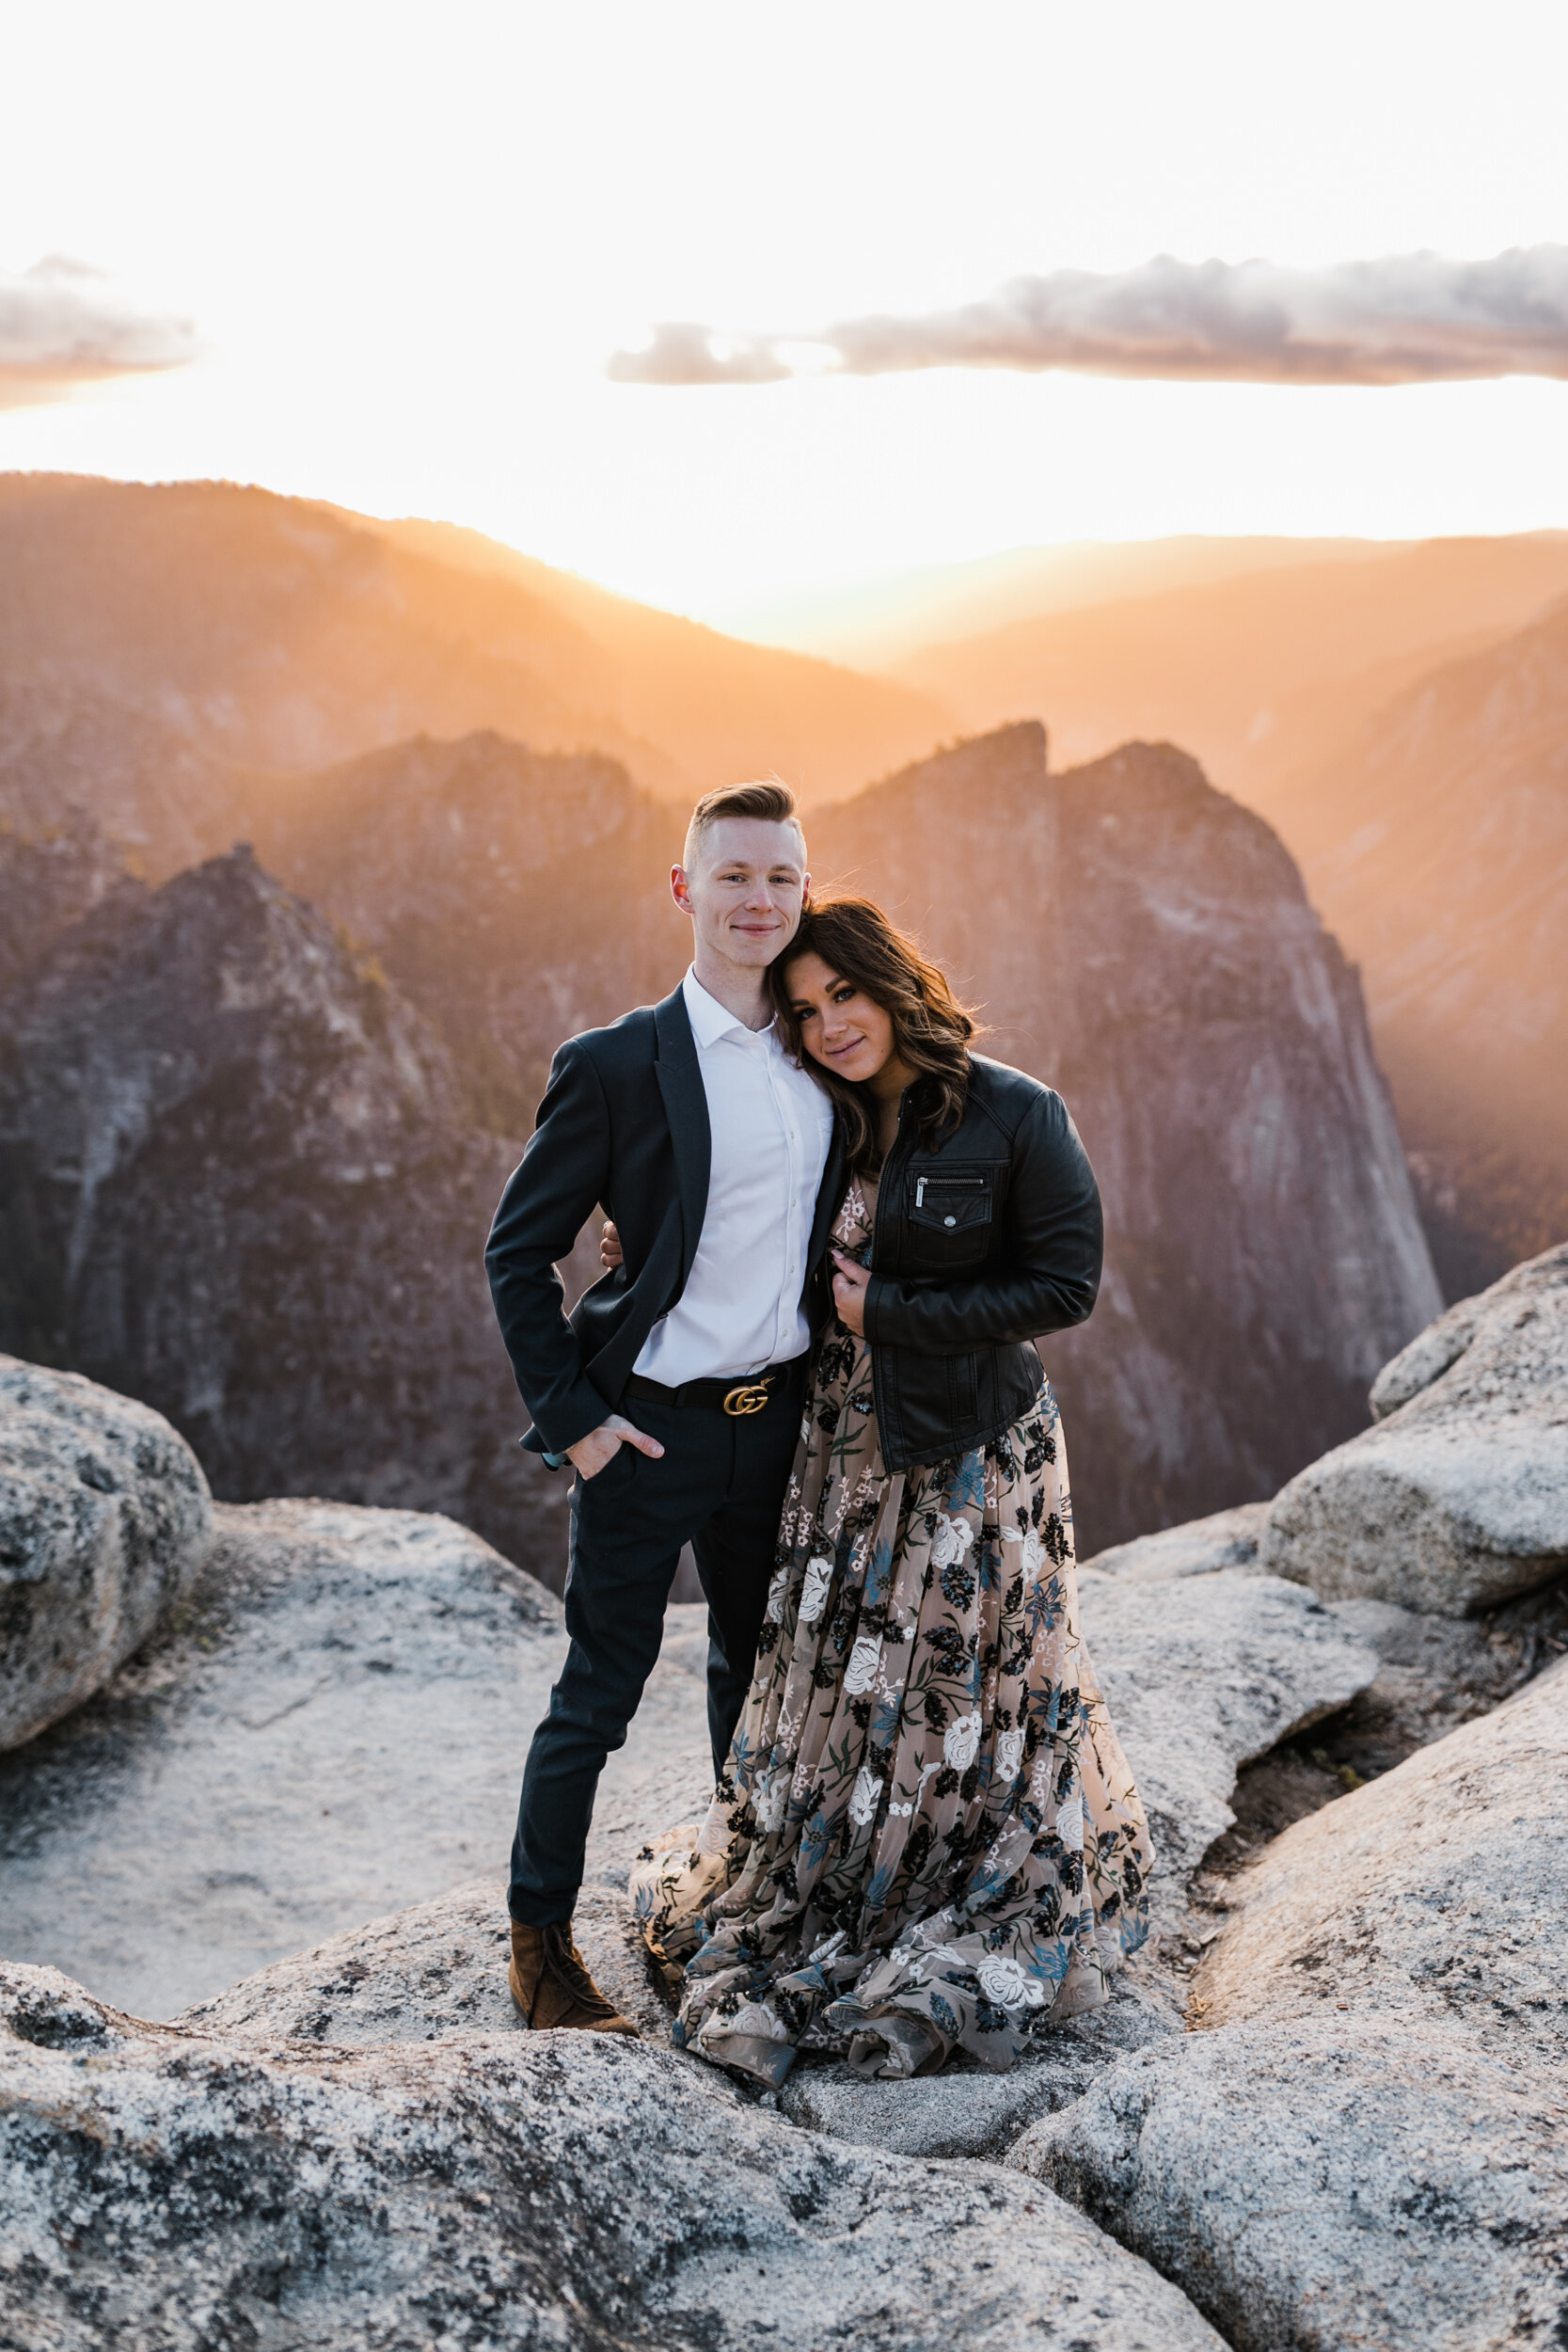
770, 1125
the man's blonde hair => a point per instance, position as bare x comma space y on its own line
774, 802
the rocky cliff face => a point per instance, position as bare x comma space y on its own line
1437, 847
241, 1182
1146, 945
516, 897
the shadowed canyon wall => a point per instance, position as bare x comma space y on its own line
1146, 945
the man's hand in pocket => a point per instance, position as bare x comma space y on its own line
593, 1454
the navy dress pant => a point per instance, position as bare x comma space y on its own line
719, 1486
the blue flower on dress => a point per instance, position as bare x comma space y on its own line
967, 1489
879, 1885
816, 1839
884, 1721
876, 1570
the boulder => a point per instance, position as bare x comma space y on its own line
335, 1728
104, 1522
1201, 1675
1382, 2068
1333, 2182
577, 2190
435, 1969
1437, 1893
1457, 1498
1227, 1539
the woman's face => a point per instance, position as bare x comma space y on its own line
841, 1027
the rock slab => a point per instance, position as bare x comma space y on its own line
1371, 2146
1202, 1674
1340, 2181
1226, 1539
1457, 1498
338, 1732
105, 1520
574, 2190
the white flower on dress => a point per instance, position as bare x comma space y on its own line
1069, 1821
962, 1741
755, 2018
777, 1593
1009, 1753
951, 1541
860, 1673
1034, 1553
862, 1799
1010, 1986
814, 1592
770, 1801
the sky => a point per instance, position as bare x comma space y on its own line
387, 257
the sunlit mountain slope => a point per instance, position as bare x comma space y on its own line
269, 633
1258, 674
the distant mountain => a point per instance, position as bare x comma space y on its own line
515, 896
238, 1179
1146, 945
1437, 847
225, 633
877, 623
1259, 675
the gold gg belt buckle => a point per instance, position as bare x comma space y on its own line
749, 1398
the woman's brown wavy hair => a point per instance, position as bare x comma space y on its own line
930, 1028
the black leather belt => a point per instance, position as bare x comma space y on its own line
738, 1398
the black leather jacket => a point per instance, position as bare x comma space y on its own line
978, 1248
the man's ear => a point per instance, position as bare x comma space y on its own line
680, 888
805, 892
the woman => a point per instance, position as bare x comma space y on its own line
927, 1836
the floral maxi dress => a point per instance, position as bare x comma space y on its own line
927, 1836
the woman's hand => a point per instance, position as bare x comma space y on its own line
610, 1252
851, 1281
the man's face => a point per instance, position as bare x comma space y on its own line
744, 888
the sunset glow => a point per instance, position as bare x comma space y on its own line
407, 262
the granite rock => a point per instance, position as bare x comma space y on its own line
1458, 1497
435, 1969
1226, 1539
1382, 2068
1201, 1675
164, 2188
1331, 2181
1435, 1893
334, 1728
104, 1522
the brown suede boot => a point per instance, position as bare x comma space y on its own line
551, 1985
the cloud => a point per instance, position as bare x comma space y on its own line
1413, 318
61, 323
697, 355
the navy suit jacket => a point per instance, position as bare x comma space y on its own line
624, 1124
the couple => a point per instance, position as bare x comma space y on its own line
836, 1232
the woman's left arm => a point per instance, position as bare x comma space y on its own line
1056, 1245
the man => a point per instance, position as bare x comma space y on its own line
675, 1388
